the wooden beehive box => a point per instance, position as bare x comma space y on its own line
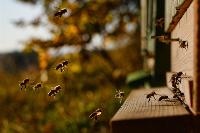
137, 114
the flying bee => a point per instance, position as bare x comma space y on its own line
96, 114
65, 63
54, 91
160, 22
183, 44
163, 97
119, 95
37, 86
152, 94
24, 83
60, 66
60, 12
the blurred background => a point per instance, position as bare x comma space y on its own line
101, 40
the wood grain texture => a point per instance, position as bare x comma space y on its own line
182, 59
196, 97
170, 10
139, 115
180, 10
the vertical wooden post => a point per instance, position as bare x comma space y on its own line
196, 92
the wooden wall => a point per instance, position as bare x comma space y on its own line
182, 59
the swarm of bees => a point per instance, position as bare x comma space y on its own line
55, 91
119, 95
60, 12
175, 81
24, 83
61, 66
95, 115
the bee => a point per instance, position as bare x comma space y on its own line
96, 114
20, 23
24, 83
163, 97
54, 91
62, 65
160, 22
152, 94
183, 44
65, 63
60, 12
176, 79
37, 86
119, 95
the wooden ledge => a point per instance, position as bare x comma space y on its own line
139, 115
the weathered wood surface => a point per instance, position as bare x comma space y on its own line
182, 59
196, 95
175, 10
139, 115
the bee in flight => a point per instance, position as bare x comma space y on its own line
24, 83
119, 95
183, 44
62, 66
96, 114
60, 12
152, 94
54, 91
37, 86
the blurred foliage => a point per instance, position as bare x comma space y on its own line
93, 74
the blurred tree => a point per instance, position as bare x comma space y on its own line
104, 38
91, 26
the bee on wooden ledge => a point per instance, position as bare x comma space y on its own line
151, 94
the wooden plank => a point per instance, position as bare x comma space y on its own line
182, 59
139, 115
179, 13
196, 94
170, 10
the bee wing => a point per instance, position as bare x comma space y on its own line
122, 94
65, 62
92, 115
51, 92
